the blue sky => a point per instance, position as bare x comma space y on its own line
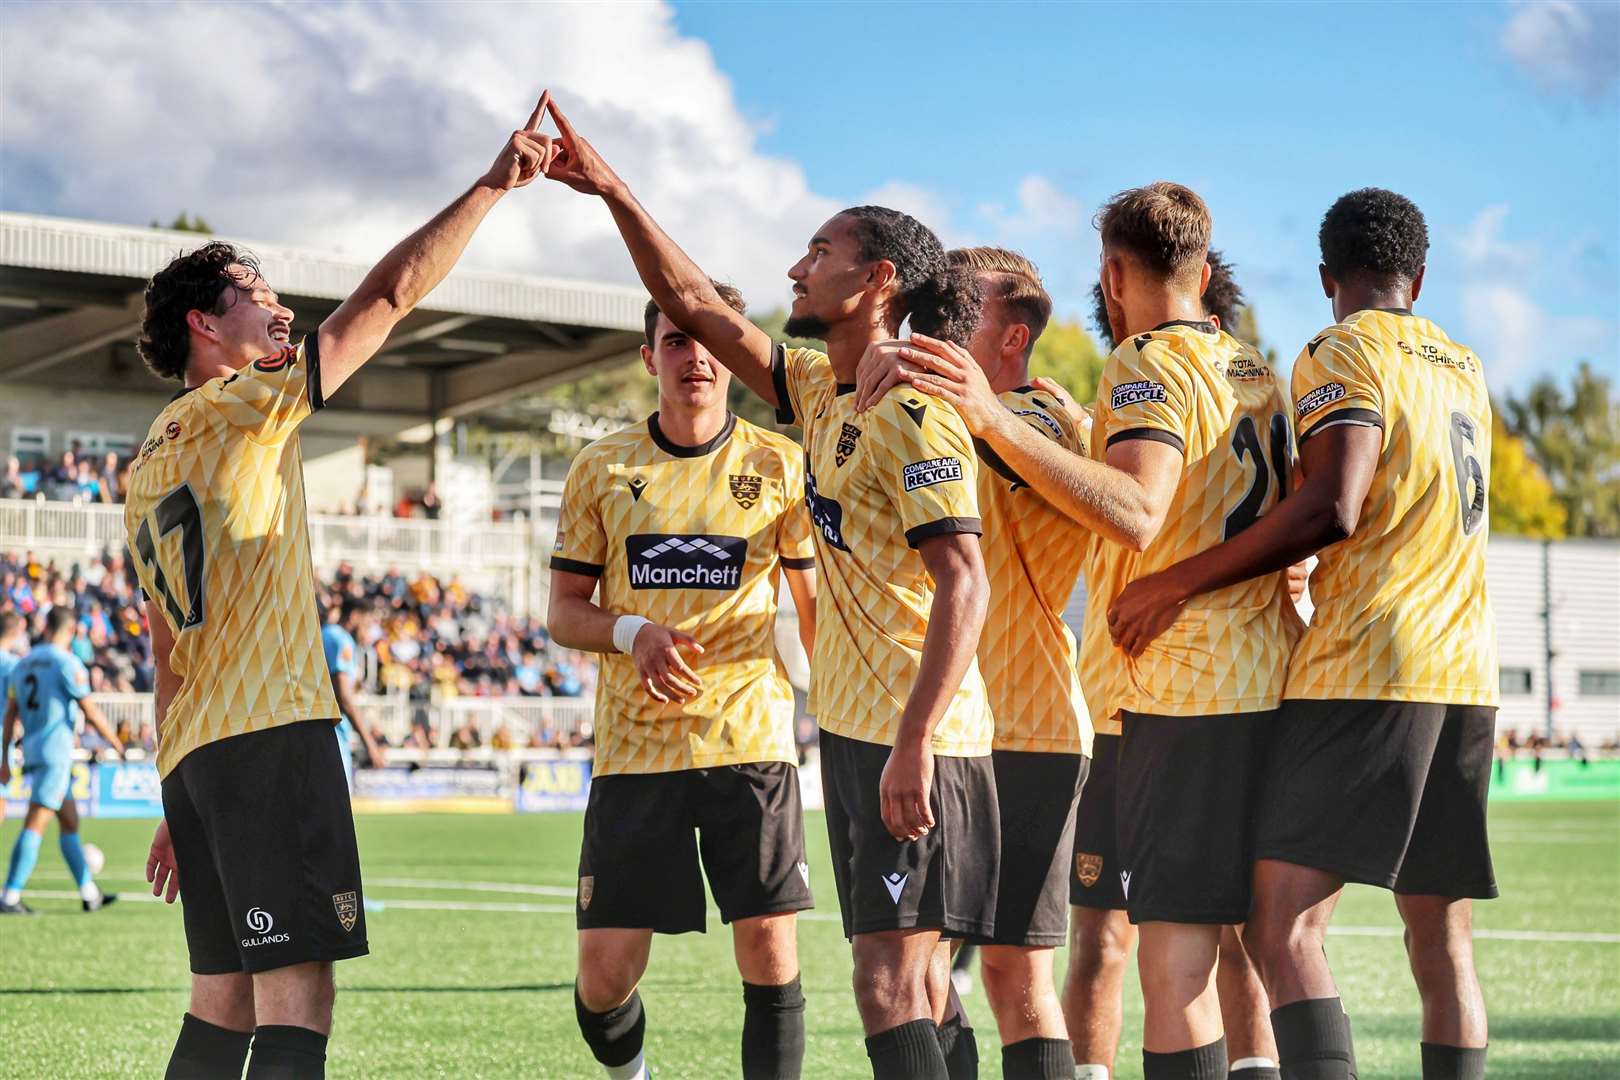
341, 126
1269, 111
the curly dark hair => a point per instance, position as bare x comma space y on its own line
1223, 297
942, 300
1099, 317
1374, 232
194, 281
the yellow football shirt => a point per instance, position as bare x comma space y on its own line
1216, 400
693, 538
1032, 555
220, 539
878, 484
1401, 609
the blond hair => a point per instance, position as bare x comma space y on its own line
1012, 281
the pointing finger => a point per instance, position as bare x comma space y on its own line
563, 125
539, 113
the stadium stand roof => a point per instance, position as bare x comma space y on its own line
71, 291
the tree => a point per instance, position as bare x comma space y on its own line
185, 223
1248, 329
1522, 500
1575, 438
1069, 355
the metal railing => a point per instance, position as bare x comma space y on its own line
396, 715
437, 546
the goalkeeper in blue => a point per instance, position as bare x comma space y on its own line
40, 695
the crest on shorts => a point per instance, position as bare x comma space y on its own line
745, 488
846, 443
347, 905
587, 886
1088, 868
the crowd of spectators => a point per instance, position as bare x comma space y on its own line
76, 476
429, 640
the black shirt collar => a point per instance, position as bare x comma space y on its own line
677, 450
845, 388
1394, 310
1203, 326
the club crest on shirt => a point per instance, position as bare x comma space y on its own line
347, 906
745, 488
587, 886
1088, 868
1325, 394
846, 443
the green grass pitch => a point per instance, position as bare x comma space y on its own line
473, 957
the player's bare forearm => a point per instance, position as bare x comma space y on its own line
1110, 501
687, 297
802, 584
573, 620
357, 329
165, 683
343, 690
98, 720
10, 729
961, 598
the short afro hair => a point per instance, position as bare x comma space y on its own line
196, 281
1223, 297
942, 300
1376, 233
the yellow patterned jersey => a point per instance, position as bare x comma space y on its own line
220, 537
1096, 645
1216, 400
1032, 555
1401, 611
691, 537
878, 484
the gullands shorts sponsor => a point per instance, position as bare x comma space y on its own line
685, 561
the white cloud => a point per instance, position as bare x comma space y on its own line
1563, 45
1043, 210
343, 127
1515, 336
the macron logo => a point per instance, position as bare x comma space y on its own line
896, 884
1125, 882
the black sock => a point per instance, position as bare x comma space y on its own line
1207, 1062
1453, 1062
1037, 1059
908, 1052
1313, 1040
284, 1052
773, 1031
959, 1045
614, 1036
206, 1051
1256, 1072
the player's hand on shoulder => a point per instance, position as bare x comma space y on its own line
577, 163
161, 868
662, 668
905, 790
1146, 608
881, 369
1299, 575
949, 371
526, 155
1065, 400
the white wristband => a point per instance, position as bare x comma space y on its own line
625, 629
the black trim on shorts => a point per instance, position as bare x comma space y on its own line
944, 527
1359, 417
784, 400
574, 566
312, 357
791, 563
1159, 435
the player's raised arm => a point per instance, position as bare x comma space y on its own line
353, 333
682, 291
1124, 500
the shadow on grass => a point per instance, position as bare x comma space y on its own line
343, 991
1504, 1028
